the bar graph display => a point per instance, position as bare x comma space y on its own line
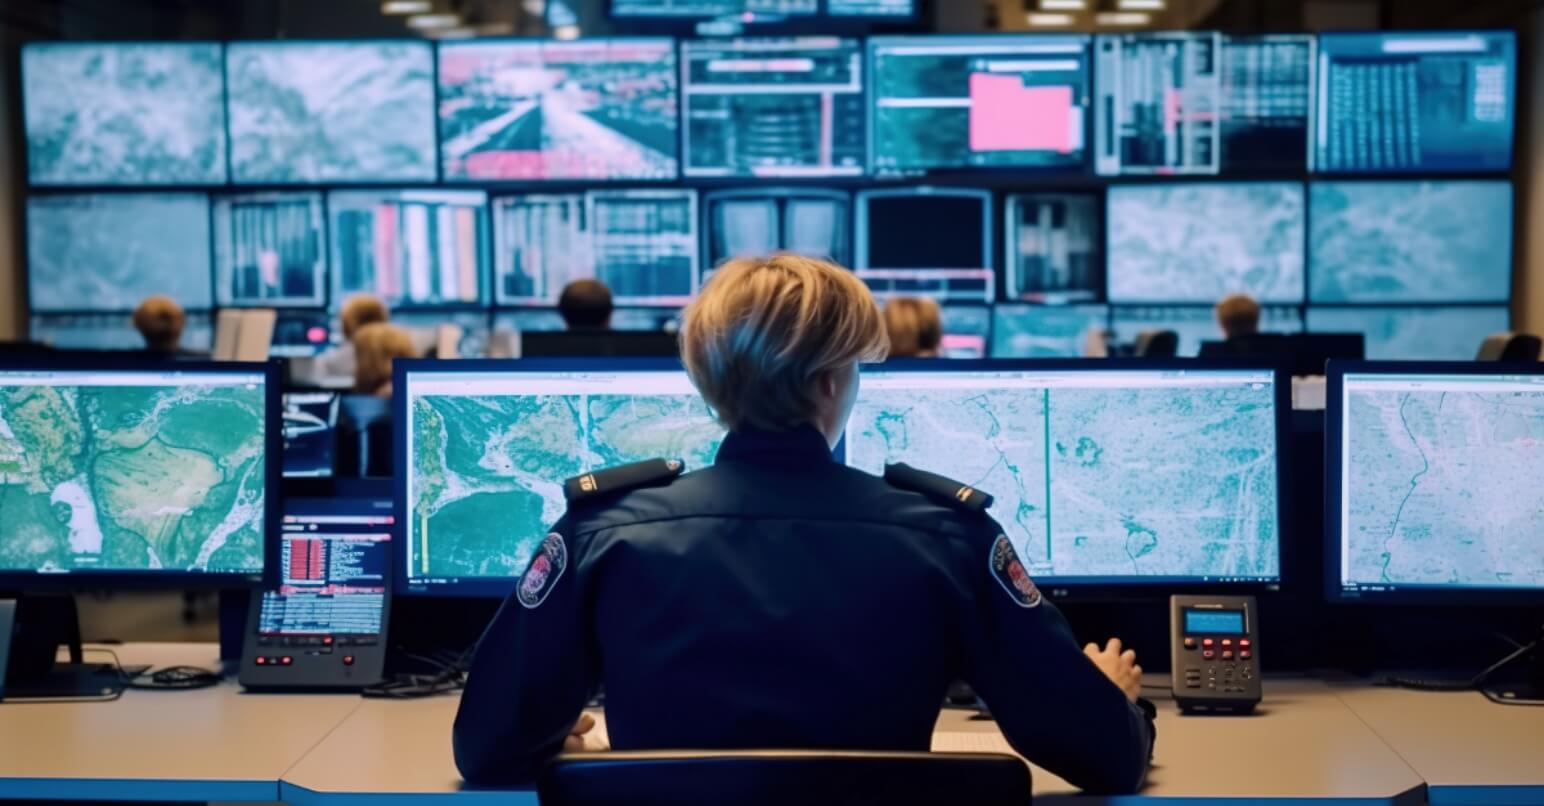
541, 243
409, 247
1055, 248
1414, 333
1195, 324
1159, 103
644, 244
270, 250
1046, 331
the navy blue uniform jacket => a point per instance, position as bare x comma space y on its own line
782, 600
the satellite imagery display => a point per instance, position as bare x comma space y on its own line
1201, 242
1410, 241
1421, 511
1414, 334
124, 114
336, 111
1045, 331
486, 471
1084, 488
132, 478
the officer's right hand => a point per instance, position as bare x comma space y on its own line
1120, 667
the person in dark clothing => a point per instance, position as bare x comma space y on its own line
586, 305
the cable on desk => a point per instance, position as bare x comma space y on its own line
449, 675
1476, 682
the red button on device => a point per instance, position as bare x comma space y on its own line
261, 660
1208, 654
1227, 654
1244, 643
1206, 642
286, 660
348, 660
1190, 643
1227, 642
1245, 654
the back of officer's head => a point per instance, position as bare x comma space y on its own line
586, 305
1238, 315
764, 332
159, 321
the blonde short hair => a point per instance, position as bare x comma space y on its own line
1238, 315
159, 319
376, 345
765, 329
915, 325
358, 311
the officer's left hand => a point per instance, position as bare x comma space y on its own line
574, 743
1120, 667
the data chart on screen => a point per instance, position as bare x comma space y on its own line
1055, 248
334, 566
1267, 91
270, 249
409, 247
1159, 103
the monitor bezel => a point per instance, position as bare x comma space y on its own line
272, 372
1334, 429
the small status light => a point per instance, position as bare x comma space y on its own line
406, 7
432, 22
1050, 20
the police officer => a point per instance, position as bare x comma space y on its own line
779, 599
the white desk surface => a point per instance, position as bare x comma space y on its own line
1468, 749
203, 745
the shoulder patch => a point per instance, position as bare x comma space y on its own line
622, 478
946, 490
1010, 573
542, 575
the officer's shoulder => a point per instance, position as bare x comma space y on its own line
611, 481
941, 490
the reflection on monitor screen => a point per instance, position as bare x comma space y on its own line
108, 251
487, 454
1053, 247
948, 103
112, 331
1200, 242
331, 111
1439, 481
967, 331
1046, 331
594, 109
269, 249
644, 244
1414, 334
759, 222
107, 114
145, 471
1266, 84
408, 247
1410, 241
1084, 492
1194, 325
1415, 101
899, 251
1159, 104
712, 8
774, 107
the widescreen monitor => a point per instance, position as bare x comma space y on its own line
270, 250
124, 113
1404, 242
547, 319
967, 331
119, 469
872, 9
1415, 333
1198, 242
1159, 103
533, 110
310, 112
484, 448
1096, 469
1194, 324
1433, 474
644, 245
1267, 89
409, 247
112, 331
1055, 248
786, 107
808, 221
106, 252
1402, 102
978, 103
1046, 331
899, 251
698, 9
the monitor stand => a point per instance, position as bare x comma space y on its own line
32, 628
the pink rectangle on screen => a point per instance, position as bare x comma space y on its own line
1005, 115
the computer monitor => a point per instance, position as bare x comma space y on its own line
547, 320
599, 344
967, 331
1088, 494
1159, 103
308, 112
1198, 242
978, 103
484, 448
898, 251
1300, 354
310, 434
147, 113
1433, 476
773, 107
1194, 324
756, 222
431, 331
122, 470
1046, 331
300, 334
1403, 242
1267, 83
270, 250
1055, 248
105, 252
696, 9
334, 562
1400, 102
1410, 333
111, 331
409, 247
884, 10
535, 110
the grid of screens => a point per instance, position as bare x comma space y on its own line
1085, 493
146, 471
810, 221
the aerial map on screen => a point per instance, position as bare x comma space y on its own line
131, 478
1443, 487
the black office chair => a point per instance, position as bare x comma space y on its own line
1509, 346
1156, 344
782, 777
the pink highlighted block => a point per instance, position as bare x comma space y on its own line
1005, 115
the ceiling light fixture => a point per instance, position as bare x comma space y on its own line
566, 32
396, 7
1051, 20
1063, 5
433, 22
1123, 18
1139, 5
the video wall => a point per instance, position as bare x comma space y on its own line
1043, 187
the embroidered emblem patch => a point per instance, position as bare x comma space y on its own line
1010, 573
542, 574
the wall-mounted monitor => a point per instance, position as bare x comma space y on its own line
1197, 242
124, 113
270, 249
789, 107
312, 112
1409, 333
809, 221
1194, 324
1436, 241
112, 331
699, 9
527, 110
899, 251
1267, 90
872, 9
1055, 247
1158, 102
409, 247
967, 331
1046, 331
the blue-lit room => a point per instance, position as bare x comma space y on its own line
903, 402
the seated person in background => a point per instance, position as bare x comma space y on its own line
159, 321
1238, 315
916, 327
780, 599
376, 345
586, 305
358, 311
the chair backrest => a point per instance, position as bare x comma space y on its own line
781, 777
364, 434
1156, 344
1522, 347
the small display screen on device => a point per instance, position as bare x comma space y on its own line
1215, 622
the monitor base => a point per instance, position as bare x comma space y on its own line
74, 682
32, 628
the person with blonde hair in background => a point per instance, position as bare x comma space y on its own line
916, 327
1238, 315
376, 345
160, 320
778, 598
357, 312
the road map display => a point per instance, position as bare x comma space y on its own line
106, 472
1440, 484
1124, 475
487, 465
